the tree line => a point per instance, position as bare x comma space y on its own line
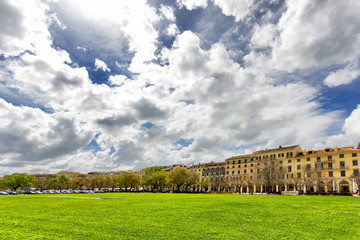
154, 179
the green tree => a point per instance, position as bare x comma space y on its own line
16, 181
64, 182
177, 177
155, 178
191, 179
131, 181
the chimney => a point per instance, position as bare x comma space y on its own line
358, 146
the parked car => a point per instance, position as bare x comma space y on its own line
29, 192
12, 192
3, 193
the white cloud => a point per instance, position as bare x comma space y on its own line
117, 80
101, 65
168, 12
237, 8
342, 76
351, 131
192, 4
264, 36
22, 25
172, 30
199, 93
316, 34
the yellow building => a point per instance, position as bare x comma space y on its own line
284, 169
328, 170
290, 169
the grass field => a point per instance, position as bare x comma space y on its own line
178, 216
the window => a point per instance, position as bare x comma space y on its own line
343, 174
258, 171
309, 175
354, 154
289, 176
232, 172
298, 167
330, 166
250, 177
245, 171
280, 168
342, 164
327, 150
251, 165
227, 167
355, 162
252, 159
245, 161
233, 162
258, 164
289, 154
239, 161
329, 158
227, 172
251, 171
318, 159
238, 171
341, 156
245, 165
233, 166
319, 174
308, 159
239, 166
289, 161
299, 175
308, 166
228, 162
318, 166
281, 162
289, 168
298, 160
356, 172
331, 174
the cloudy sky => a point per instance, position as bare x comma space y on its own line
109, 85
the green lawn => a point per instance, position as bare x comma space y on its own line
178, 216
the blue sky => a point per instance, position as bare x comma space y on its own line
121, 85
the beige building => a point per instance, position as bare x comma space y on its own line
286, 169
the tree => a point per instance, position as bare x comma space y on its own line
78, 182
155, 178
205, 183
270, 175
191, 178
98, 181
41, 183
113, 182
64, 182
177, 177
16, 181
131, 180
